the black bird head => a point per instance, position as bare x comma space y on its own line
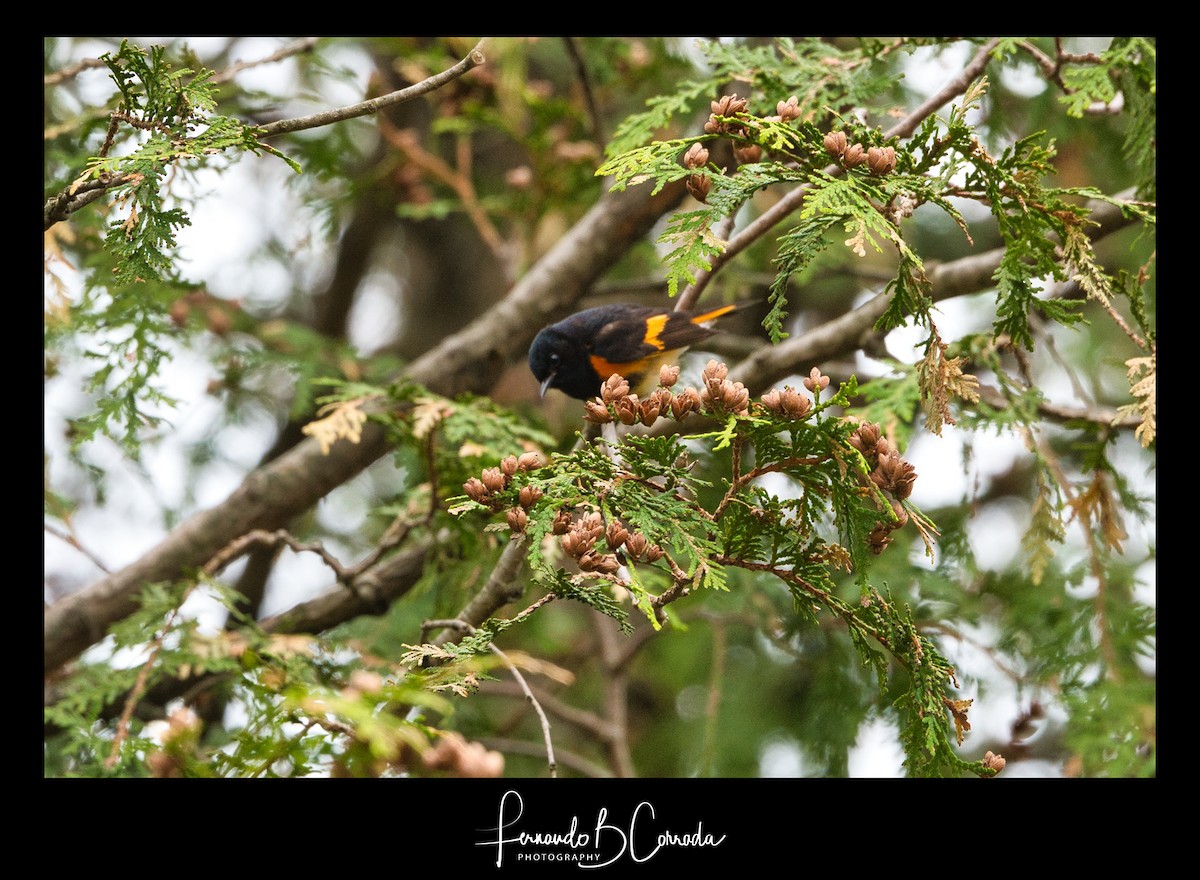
560, 360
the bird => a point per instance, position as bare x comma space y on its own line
580, 352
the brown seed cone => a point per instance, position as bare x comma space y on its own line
596, 412
475, 490
614, 388
853, 156
493, 478
881, 160
517, 519
615, 535
528, 496
835, 143
529, 461
562, 522
696, 156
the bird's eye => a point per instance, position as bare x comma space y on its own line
555, 358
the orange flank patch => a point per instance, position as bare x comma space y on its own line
631, 370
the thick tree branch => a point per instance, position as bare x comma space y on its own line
500, 589
370, 592
847, 333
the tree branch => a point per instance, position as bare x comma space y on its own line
467, 361
585, 83
73, 198
1097, 415
616, 694
578, 763
589, 722
765, 221
497, 592
296, 47
846, 333
370, 592
71, 71
374, 105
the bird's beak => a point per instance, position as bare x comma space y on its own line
546, 384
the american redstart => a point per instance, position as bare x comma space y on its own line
579, 353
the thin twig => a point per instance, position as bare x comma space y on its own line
585, 83
1050, 69
616, 694
830, 601
71, 71
258, 537
790, 202
545, 600
773, 467
139, 687
953, 632
304, 44
406, 142
712, 706
1096, 415
568, 759
64, 204
537, 707
365, 108
393, 536
1092, 537
630, 647
587, 721
516, 673
70, 538
678, 589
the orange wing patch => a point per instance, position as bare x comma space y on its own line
654, 328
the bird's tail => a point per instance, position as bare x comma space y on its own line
712, 315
